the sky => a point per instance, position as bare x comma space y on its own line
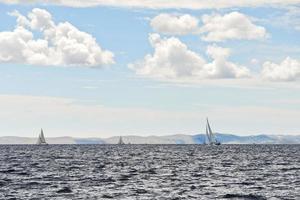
99, 68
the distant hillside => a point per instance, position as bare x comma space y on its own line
234, 139
201, 138
169, 139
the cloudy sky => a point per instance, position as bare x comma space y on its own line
100, 68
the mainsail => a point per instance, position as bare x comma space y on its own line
41, 138
121, 141
207, 135
210, 135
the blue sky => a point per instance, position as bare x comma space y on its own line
245, 80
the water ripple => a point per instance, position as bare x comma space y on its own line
150, 172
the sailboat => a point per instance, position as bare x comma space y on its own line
121, 141
41, 139
211, 138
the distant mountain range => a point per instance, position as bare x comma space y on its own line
170, 139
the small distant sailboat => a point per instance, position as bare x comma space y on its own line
211, 138
121, 141
41, 139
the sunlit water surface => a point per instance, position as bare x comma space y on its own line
150, 172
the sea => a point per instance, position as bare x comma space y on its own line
149, 172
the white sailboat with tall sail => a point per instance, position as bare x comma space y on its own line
41, 139
211, 138
121, 141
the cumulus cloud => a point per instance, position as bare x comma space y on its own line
214, 28
174, 61
160, 4
174, 24
61, 44
287, 70
220, 67
233, 25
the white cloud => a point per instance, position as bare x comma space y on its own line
215, 27
173, 60
61, 44
160, 4
222, 68
292, 17
289, 18
287, 70
233, 25
174, 24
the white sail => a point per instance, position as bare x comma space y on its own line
121, 141
207, 135
210, 135
41, 138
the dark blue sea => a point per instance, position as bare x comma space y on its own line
150, 172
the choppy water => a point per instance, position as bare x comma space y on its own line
150, 172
